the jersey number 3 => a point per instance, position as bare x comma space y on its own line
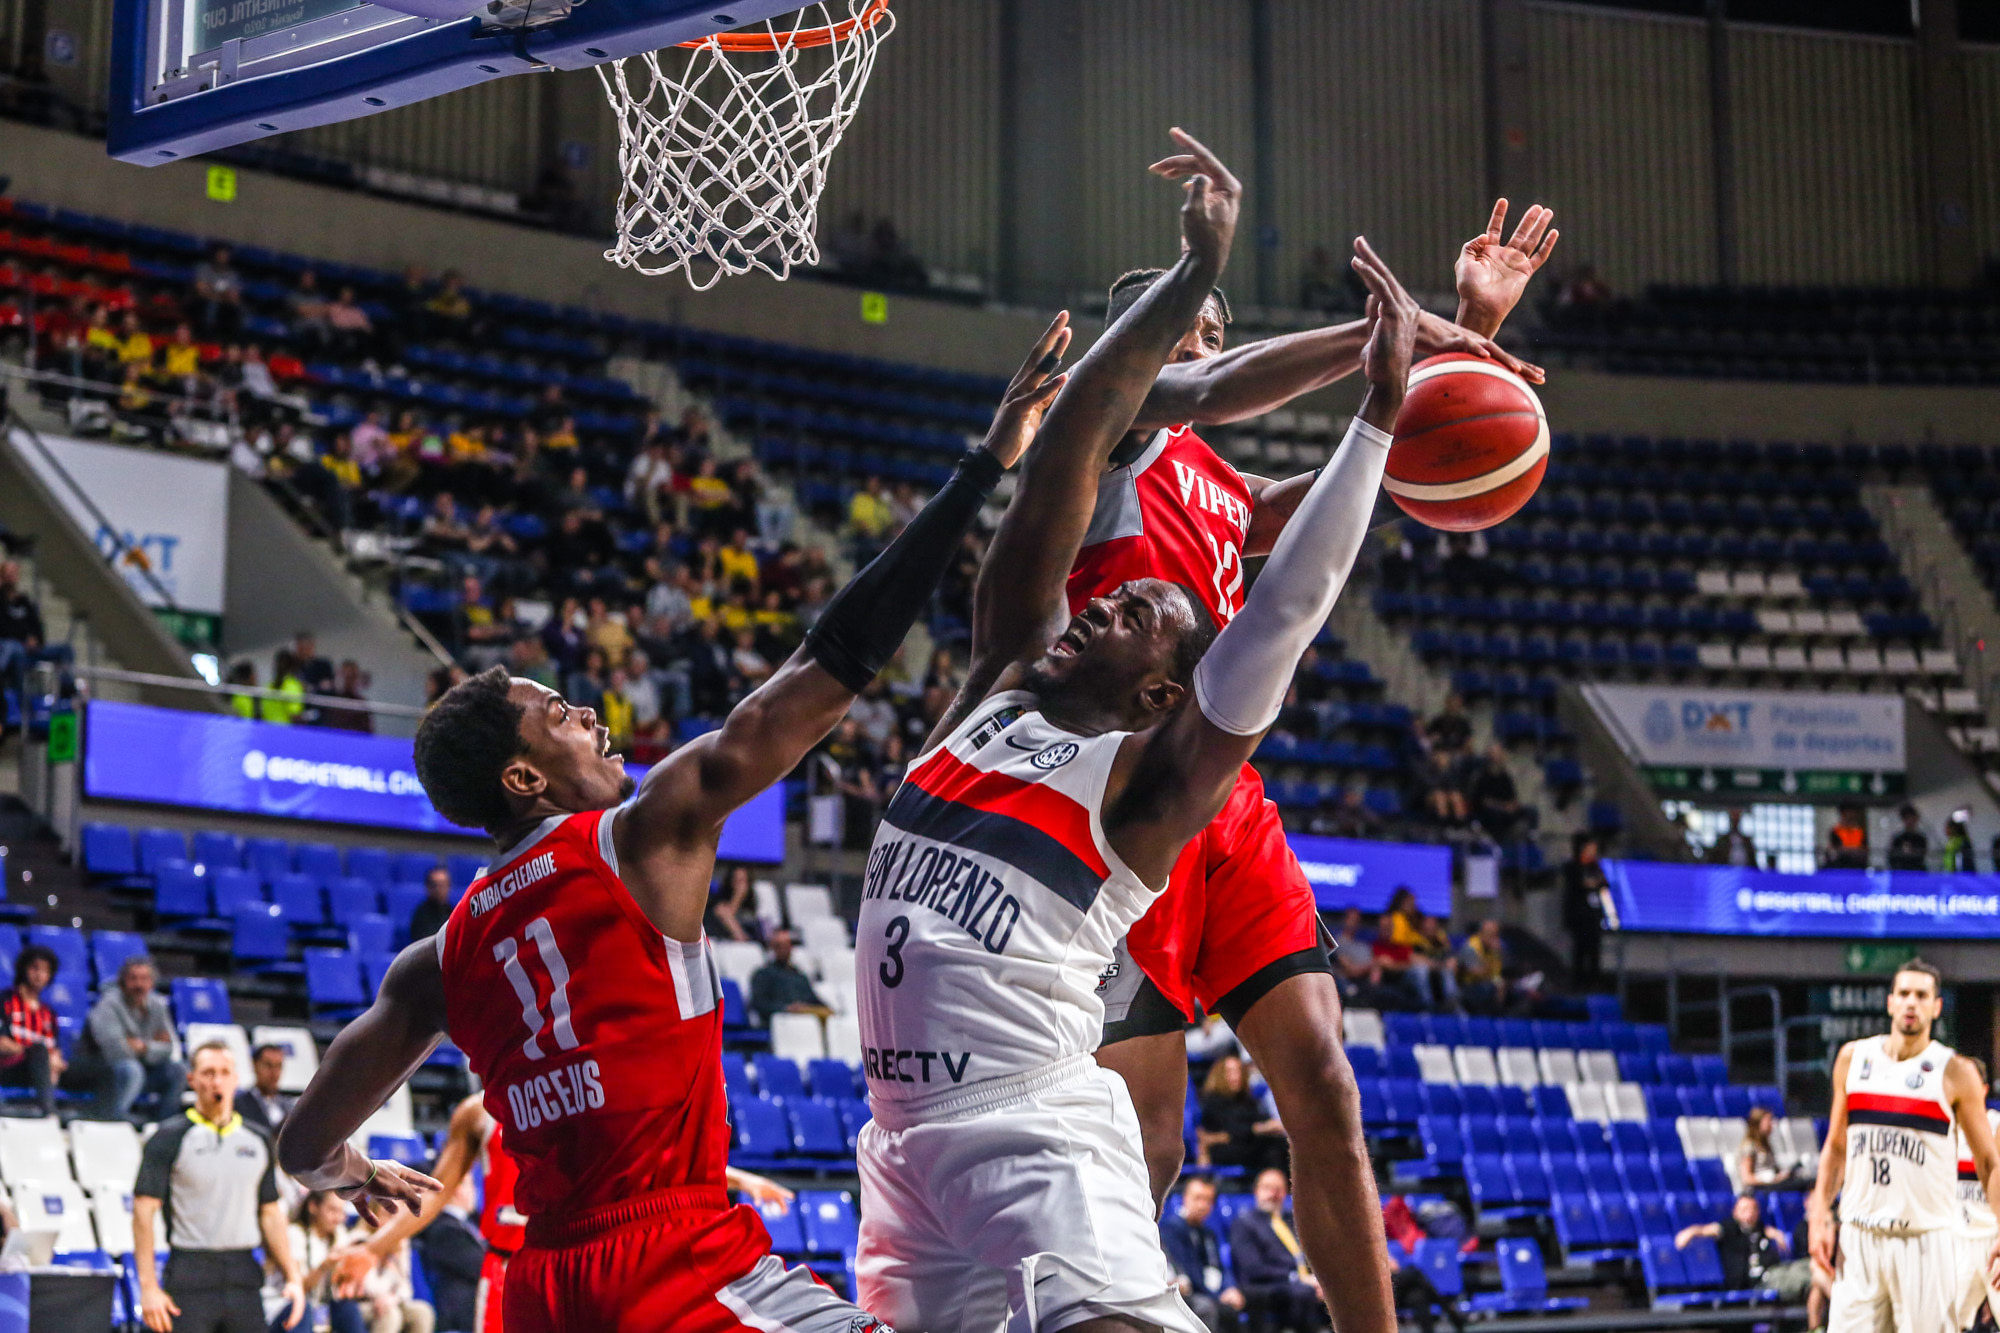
509, 955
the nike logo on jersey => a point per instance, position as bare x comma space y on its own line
1198, 492
1015, 743
914, 1066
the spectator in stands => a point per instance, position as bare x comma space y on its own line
1482, 970
1279, 1288
1495, 801
847, 769
1440, 958
1359, 973
750, 665
1583, 887
389, 1301
1351, 817
21, 631
1210, 1040
1194, 1252
868, 519
220, 1197
1957, 857
219, 287
1444, 789
1236, 1129
243, 672
262, 1104
1757, 1160
1402, 950
1451, 730
1910, 849
449, 311
779, 987
285, 680
350, 683
128, 1046
29, 1054
1734, 847
349, 327
732, 908
307, 306
1753, 1253
318, 1242
180, 362
454, 1256
1847, 841
649, 481
431, 914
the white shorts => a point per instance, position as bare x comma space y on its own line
1026, 1208
1975, 1248
1897, 1284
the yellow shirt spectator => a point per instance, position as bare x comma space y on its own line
868, 514
466, 446
615, 712
284, 711
181, 359
136, 348
345, 470
708, 492
737, 563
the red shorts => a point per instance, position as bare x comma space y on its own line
492, 1293
680, 1260
1237, 916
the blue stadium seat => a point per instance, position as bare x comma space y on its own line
160, 844
1651, 1214
231, 889
318, 859
1629, 1138
464, 868
1442, 1263
1478, 1099
408, 1149
180, 891
736, 1077
371, 932
1492, 1187
69, 996
10, 949
1733, 1101
374, 966
268, 857
72, 951
300, 898
218, 851
372, 864
1653, 1037
1677, 1177
199, 1000
734, 1014
351, 896
1524, 1284
762, 1136
1366, 1061
333, 981
1711, 1178
1666, 1277
778, 1076
1400, 1062
1402, 1101
108, 850
1711, 1069
831, 1080
259, 934
1481, 1134
1551, 1102
1638, 1067
413, 867
108, 951
400, 901
1615, 1223
787, 1231
1531, 1180
816, 1129
831, 1224
1442, 1099
853, 1115
1576, 1229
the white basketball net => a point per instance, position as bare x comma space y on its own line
723, 151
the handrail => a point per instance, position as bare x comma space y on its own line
104, 524
148, 678
56, 377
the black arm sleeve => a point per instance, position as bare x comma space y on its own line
868, 619
156, 1163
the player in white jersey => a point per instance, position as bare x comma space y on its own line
1978, 1227
1892, 1156
1002, 1176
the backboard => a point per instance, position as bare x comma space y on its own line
189, 76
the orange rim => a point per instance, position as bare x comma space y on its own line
802, 37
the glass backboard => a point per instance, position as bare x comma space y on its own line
189, 76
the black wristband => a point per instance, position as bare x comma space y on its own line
868, 619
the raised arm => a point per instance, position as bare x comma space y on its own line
453, 1165
371, 1058
1832, 1167
666, 835
1968, 1104
1170, 781
1019, 602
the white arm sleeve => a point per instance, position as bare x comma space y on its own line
1241, 681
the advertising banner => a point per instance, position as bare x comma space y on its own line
1837, 904
172, 512
167, 757
1772, 744
1346, 872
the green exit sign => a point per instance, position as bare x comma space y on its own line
874, 308
1877, 960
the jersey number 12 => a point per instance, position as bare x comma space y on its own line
1228, 574
509, 955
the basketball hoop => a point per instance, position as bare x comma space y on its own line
723, 143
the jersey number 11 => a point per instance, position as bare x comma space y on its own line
509, 955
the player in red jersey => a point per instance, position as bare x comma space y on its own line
575, 977
1237, 931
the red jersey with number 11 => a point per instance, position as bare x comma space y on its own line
598, 1040
1176, 512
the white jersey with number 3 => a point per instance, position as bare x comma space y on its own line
991, 904
1902, 1159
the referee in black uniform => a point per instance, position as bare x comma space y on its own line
216, 1179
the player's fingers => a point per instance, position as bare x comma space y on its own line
1224, 179
1546, 248
1197, 192
1497, 221
1181, 164
1524, 234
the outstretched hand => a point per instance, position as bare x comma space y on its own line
1391, 343
389, 1186
1029, 394
1214, 198
1437, 337
1492, 274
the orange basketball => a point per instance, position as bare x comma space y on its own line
1471, 444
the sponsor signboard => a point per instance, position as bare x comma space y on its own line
1347, 872
1837, 904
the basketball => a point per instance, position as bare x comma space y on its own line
1471, 444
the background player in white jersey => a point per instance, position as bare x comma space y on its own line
1980, 1230
1890, 1157
1002, 1176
